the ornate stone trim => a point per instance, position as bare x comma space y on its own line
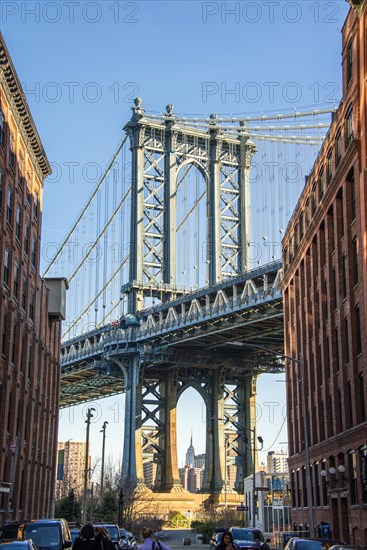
15, 95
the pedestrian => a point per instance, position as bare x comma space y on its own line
85, 539
102, 540
226, 542
151, 543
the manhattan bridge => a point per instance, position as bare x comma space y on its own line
175, 279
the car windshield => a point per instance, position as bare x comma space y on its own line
43, 536
308, 545
113, 532
244, 534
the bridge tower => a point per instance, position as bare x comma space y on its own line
160, 148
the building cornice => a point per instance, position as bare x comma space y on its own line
16, 98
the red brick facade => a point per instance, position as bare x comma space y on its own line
325, 305
29, 337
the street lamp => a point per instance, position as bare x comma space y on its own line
254, 450
103, 452
86, 466
301, 379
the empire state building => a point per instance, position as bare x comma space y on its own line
190, 454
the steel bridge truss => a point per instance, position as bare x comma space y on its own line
161, 149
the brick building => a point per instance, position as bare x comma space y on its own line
325, 304
71, 468
30, 314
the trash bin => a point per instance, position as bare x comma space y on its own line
186, 541
199, 539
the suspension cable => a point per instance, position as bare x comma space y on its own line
85, 207
98, 295
106, 226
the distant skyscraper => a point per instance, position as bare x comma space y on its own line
190, 454
71, 467
199, 461
276, 462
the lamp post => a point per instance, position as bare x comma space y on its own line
301, 379
86, 466
254, 450
103, 452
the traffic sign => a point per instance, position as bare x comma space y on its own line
242, 508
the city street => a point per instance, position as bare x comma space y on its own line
175, 539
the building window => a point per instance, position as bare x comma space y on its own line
358, 330
334, 289
2, 128
34, 252
301, 226
350, 405
344, 275
346, 342
349, 61
355, 260
363, 470
6, 266
352, 470
31, 305
9, 206
313, 203
18, 222
16, 281
24, 294
26, 238
324, 484
20, 170
28, 191
3, 339
11, 151
352, 191
35, 206
317, 483
329, 166
321, 184
349, 126
307, 212
362, 403
340, 412
338, 148
337, 347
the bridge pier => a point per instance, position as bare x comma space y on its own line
132, 463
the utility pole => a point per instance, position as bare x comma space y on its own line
103, 453
86, 466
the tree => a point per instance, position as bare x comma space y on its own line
107, 510
63, 509
176, 519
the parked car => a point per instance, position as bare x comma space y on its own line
249, 538
297, 543
17, 545
46, 534
74, 533
114, 533
127, 540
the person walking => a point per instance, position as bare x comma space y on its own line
151, 543
227, 543
102, 540
85, 539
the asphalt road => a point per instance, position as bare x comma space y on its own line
175, 539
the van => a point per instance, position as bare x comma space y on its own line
47, 534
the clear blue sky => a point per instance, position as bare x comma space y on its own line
82, 63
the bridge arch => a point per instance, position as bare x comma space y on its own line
191, 233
